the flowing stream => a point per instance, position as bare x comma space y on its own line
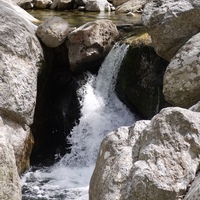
102, 112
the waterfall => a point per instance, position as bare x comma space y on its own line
101, 113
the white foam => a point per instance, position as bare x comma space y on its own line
102, 112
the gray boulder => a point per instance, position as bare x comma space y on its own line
90, 42
53, 31
133, 6
194, 191
171, 23
152, 160
97, 5
182, 77
21, 56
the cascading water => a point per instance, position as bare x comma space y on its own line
101, 112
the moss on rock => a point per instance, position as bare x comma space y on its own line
140, 79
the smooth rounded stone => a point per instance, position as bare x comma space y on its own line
133, 6
171, 24
152, 160
182, 77
90, 43
53, 31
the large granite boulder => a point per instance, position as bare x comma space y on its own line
171, 24
53, 31
21, 57
152, 160
182, 77
90, 43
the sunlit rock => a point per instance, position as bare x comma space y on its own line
134, 6
53, 31
90, 43
194, 191
21, 56
182, 77
97, 5
153, 160
171, 24
21, 140
9, 178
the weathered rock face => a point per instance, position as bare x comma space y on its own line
20, 58
152, 160
114, 163
140, 78
182, 77
194, 191
53, 31
171, 24
90, 43
132, 6
20, 138
9, 178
